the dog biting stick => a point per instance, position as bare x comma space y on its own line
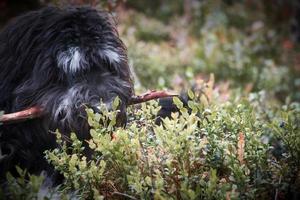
34, 112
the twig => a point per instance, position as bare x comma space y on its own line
277, 190
151, 95
241, 148
34, 112
29, 113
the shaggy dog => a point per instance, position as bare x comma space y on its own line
58, 60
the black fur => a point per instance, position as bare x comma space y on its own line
57, 59
168, 107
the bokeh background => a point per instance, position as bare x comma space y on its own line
249, 45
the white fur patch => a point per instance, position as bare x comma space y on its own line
112, 56
67, 103
65, 108
72, 60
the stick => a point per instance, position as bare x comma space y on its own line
29, 113
34, 112
151, 95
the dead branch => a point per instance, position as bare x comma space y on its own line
23, 115
35, 111
151, 95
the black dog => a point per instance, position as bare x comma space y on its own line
58, 60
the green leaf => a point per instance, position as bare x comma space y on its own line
177, 102
116, 103
191, 94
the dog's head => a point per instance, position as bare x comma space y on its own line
77, 60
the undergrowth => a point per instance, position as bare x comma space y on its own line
210, 150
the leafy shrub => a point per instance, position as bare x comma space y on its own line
218, 151
23, 187
210, 154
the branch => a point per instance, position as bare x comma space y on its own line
151, 95
29, 113
34, 112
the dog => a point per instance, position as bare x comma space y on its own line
60, 60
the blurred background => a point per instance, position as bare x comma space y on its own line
249, 45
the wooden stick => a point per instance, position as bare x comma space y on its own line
151, 95
29, 113
34, 112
